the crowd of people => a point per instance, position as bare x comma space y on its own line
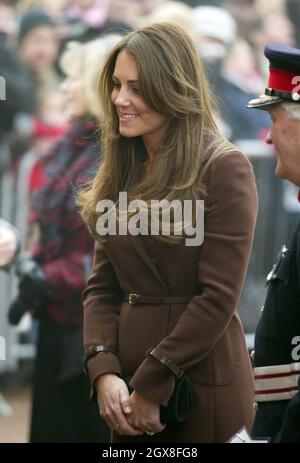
147, 97
229, 36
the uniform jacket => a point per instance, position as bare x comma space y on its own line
204, 337
277, 346
280, 320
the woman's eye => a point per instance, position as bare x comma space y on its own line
135, 90
116, 85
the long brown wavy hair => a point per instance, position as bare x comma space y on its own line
172, 82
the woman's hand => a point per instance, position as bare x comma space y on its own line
114, 404
145, 414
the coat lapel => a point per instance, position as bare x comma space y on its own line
140, 247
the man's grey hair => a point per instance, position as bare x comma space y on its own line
293, 109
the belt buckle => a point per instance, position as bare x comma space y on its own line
133, 298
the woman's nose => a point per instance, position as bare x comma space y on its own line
122, 99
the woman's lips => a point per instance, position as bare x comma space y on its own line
128, 117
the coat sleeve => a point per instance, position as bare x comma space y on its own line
224, 257
102, 301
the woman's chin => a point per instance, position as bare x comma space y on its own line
127, 133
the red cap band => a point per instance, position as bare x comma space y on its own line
283, 80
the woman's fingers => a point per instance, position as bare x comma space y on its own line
145, 414
114, 404
146, 425
122, 425
125, 402
116, 419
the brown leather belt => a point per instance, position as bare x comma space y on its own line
133, 298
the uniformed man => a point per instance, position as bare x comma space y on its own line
277, 340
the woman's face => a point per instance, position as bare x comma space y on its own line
75, 100
135, 117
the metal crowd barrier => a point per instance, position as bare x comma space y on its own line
278, 214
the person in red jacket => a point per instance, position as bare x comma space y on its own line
53, 276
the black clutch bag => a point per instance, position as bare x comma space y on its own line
180, 403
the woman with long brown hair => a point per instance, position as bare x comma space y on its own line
157, 305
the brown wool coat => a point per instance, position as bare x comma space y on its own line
203, 337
